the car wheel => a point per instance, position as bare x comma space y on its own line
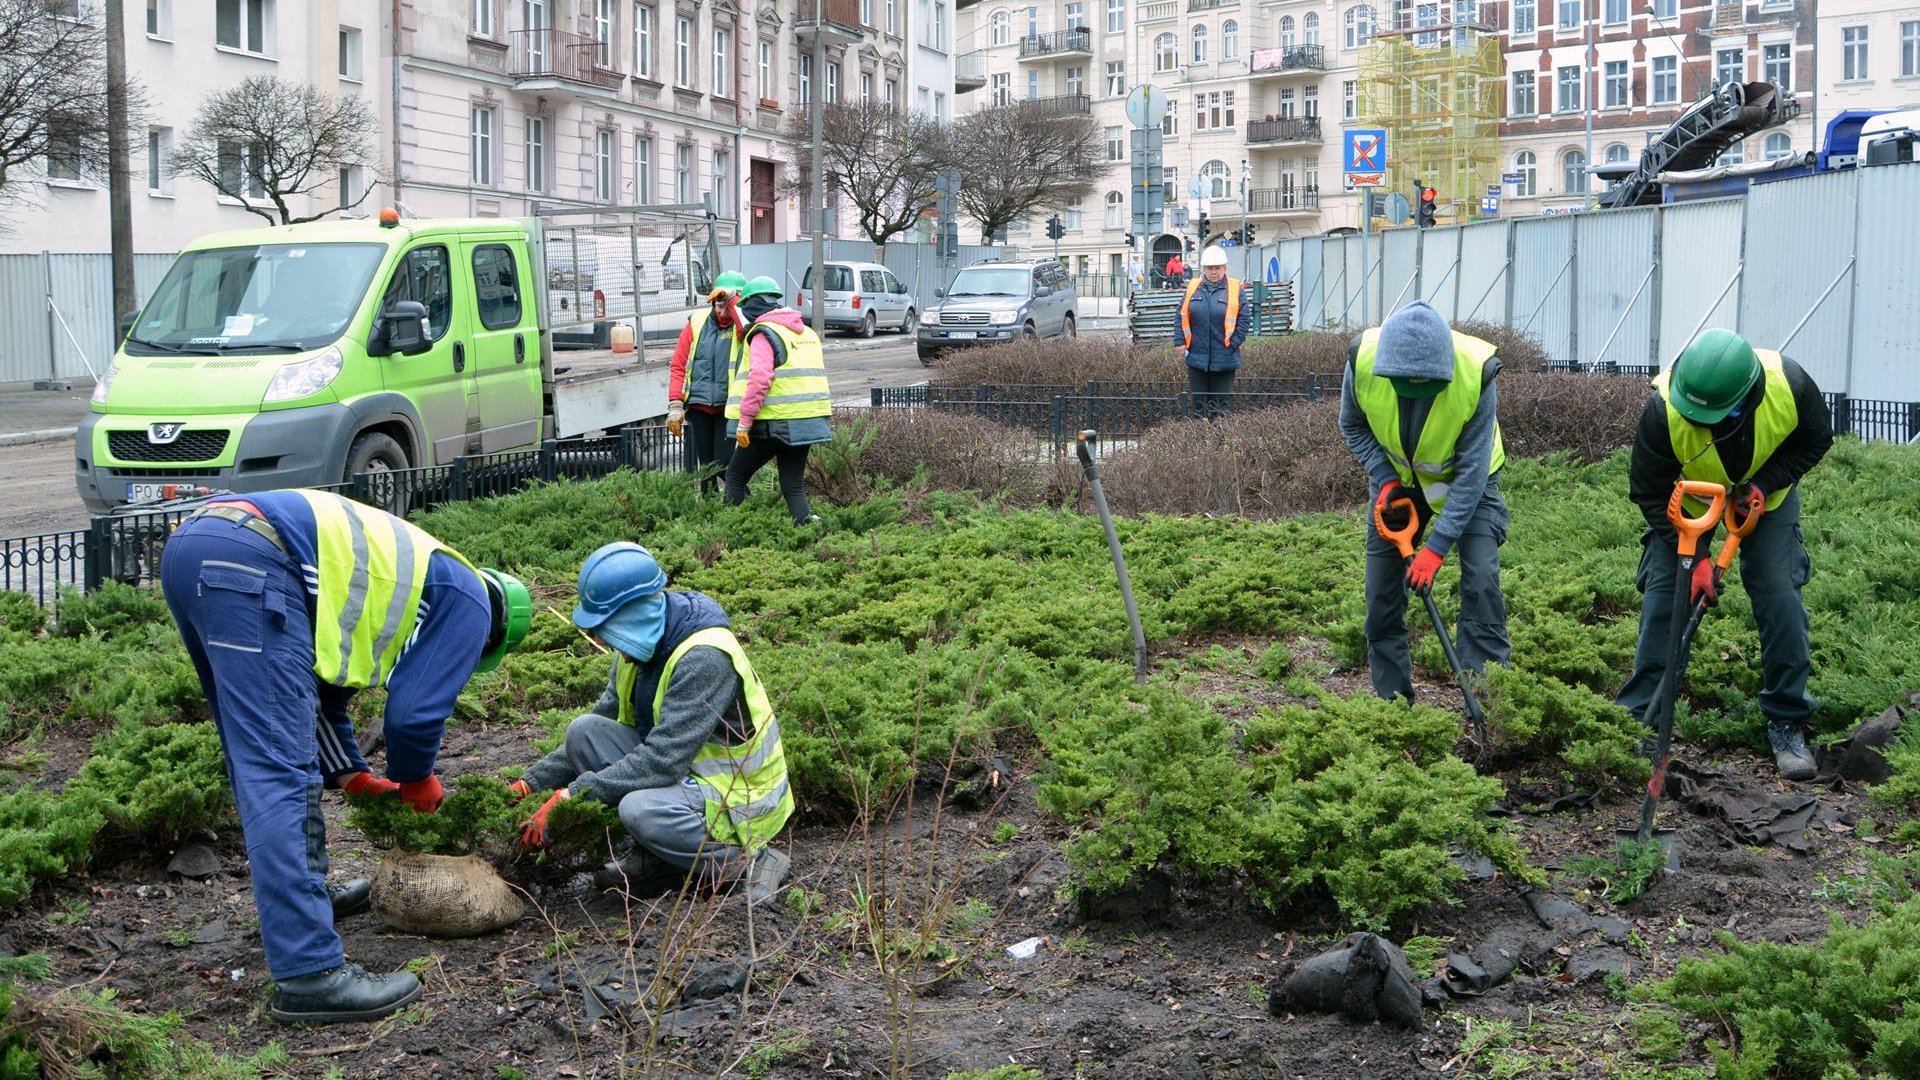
868, 325
929, 357
910, 323
1029, 332
379, 455
1072, 328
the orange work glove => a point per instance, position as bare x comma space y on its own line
676, 417
534, 833
520, 788
1425, 565
424, 796
365, 783
740, 436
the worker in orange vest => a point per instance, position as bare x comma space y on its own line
1213, 323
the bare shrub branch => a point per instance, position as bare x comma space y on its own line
1020, 158
53, 90
266, 143
881, 160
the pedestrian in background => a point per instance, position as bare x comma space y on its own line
1213, 323
697, 381
778, 398
1176, 271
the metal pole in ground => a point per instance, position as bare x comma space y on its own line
818, 194
1084, 446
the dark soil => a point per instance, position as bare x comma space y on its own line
1169, 982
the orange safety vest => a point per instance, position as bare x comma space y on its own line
1233, 310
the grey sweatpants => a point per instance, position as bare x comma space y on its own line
1482, 633
669, 821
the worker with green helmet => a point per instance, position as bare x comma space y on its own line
1754, 422
697, 380
288, 603
778, 399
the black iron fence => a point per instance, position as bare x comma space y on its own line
1871, 419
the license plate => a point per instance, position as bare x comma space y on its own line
963, 335
146, 492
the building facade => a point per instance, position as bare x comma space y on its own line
1869, 55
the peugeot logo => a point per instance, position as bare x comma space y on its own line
162, 434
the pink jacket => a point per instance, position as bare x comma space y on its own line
760, 358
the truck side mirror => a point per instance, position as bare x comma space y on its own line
126, 325
404, 328
939, 294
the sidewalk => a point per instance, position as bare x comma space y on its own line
28, 415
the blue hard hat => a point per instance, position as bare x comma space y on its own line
612, 577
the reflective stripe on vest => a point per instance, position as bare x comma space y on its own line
1233, 310
799, 387
745, 786
1775, 419
372, 570
703, 368
1432, 464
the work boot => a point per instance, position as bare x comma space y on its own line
1790, 752
769, 870
341, 995
351, 897
640, 873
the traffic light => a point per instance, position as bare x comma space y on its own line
1204, 223
1129, 239
1423, 213
1189, 245
1055, 230
1248, 233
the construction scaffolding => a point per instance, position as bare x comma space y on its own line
1433, 79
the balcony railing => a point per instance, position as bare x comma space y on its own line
1290, 129
970, 70
1211, 5
1063, 105
1288, 58
1159, 11
550, 54
1283, 200
1057, 44
837, 15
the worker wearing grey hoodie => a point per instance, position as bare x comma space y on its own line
1418, 409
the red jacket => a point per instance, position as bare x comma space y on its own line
677, 371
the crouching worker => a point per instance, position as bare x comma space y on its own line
683, 742
288, 602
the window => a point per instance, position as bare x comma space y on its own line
159, 18
643, 41
603, 33
1310, 28
1853, 53
1230, 40
1286, 32
1170, 184
1219, 184
1523, 95
1033, 85
496, 288
1617, 153
1000, 29
1116, 143
866, 88
940, 26
683, 173
238, 167
480, 147
1002, 89
1166, 53
924, 97
242, 24
1570, 14
1076, 16
1200, 44
159, 161
723, 63
1310, 101
1614, 81
424, 275
891, 94
1075, 217
1286, 102
1729, 66
603, 165
833, 82
1776, 65
1427, 15
482, 18
536, 154
939, 105
722, 186
1526, 17
1116, 16
1778, 145
349, 185
1033, 22
350, 53
1116, 78
1566, 93
1349, 99
766, 71
1076, 81
1170, 123
683, 52
1116, 211
866, 12
806, 77
1528, 167
1573, 172
643, 170
1666, 80
1666, 10
1359, 22
1213, 111
1909, 49
1615, 12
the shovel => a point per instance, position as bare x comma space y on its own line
1691, 530
1083, 445
1403, 540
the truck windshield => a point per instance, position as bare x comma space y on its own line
269, 298
996, 281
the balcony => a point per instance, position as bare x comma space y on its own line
1287, 60
962, 5
1211, 5
1064, 105
1066, 43
1284, 130
545, 60
839, 20
1729, 13
970, 71
1281, 202
1160, 11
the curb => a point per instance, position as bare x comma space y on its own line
19, 438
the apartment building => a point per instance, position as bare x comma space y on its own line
1869, 55
180, 51
1626, 69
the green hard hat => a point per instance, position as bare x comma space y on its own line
1712, 376
761, 286
730, 281
512, 616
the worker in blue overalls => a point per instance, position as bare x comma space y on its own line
289, 602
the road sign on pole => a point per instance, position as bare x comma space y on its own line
1365, 156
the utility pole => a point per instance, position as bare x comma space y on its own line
1586, 184
119, 167
817, 182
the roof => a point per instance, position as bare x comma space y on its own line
350, 230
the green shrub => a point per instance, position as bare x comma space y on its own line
110, 610
480, 815
1539, 717
43, 835
160, 783
21, 617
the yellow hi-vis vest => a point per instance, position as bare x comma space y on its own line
748, 800
799, 387
697, 328
1773, 421
372, 569
1432, 462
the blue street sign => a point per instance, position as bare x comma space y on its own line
1273, 269
1364, 156
1490, 206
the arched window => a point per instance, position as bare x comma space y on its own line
1528, 167
1116, 211
1286, 31
1359, 26
1310, 28
1573, 172
1219, 183
1230, 40
1166, 53
1779, 144
1617, 153
1002, 28
1732, 155
1200, 44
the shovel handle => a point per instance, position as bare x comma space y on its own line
1083, 445
1691, 529
1403, 538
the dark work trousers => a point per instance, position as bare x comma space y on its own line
706, 443
242, 614
790, 460
1210, 390
1773, 569
1482, 632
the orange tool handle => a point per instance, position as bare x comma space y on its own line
1739, 527
1691, 529
1402, 539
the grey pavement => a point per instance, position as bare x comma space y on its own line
29, 415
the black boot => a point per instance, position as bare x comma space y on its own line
1791, 754
351, 897
342, 994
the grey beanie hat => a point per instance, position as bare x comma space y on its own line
1415, 343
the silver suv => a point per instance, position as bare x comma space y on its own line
999, 301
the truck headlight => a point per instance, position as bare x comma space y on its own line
1005, 318
308, 377
106, 381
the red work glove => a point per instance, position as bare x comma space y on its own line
1395, 517
365, 783
1749, 500
740, 436
534, 833
424, 796
1425, 565
520, 788
1706, 583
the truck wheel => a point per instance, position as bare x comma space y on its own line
377, 454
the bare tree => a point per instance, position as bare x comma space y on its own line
53, 91
1023, 157
266, 142
881, 160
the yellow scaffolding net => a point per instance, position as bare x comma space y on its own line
1437, 87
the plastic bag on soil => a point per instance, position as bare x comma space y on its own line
1365, 978
1862, 756
443, 895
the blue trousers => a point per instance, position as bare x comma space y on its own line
241, 608
1482, 632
